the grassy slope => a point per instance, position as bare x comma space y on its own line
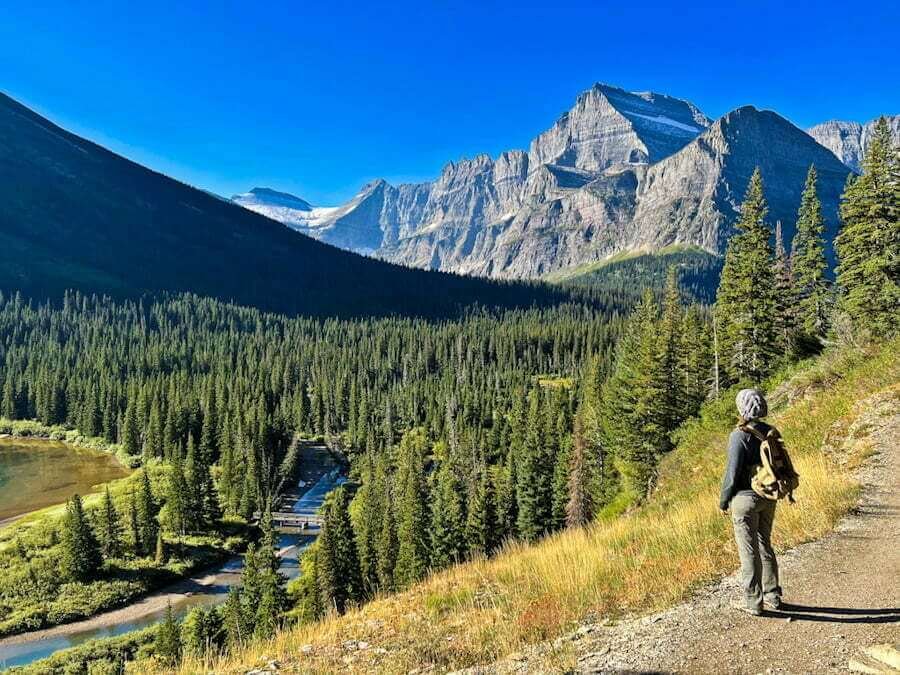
645, 560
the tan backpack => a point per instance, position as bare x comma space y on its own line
774, 477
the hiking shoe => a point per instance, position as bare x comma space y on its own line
774, 602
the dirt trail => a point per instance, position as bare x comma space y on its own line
843, 590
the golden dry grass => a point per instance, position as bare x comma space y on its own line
647, 559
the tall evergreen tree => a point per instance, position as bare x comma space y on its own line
153, 447
201, 631
868, 270
481, 519
448, 516
340, 582
367, 518
808, 262
580, 506
745, 302
109, 527
670, 337
167, 644
386, 549
412, 538
178, 498
635, 421
695, 360
131, 436
80, 555
134, 525
534, 475
236, 630
147, 509
785, 317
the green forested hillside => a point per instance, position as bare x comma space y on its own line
76, 216
630, 274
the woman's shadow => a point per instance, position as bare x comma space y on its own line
835, 614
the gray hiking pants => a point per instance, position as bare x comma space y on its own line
753, 516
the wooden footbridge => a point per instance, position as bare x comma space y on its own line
302, 520
287, 519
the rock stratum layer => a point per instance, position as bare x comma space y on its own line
620, 171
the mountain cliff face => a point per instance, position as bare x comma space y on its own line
620, 171
850, 140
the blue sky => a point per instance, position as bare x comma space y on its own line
317, 98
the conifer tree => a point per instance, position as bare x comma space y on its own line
146, 511
695, 360
178, 499
8, 405
635, 423
386, 549
534, 476
481, 519
236, 631
448, 516
201, 631
109, 528
579, 507
785, 318
167, 644
670, 336
808, 262
80, 554
271, 583
868, 270
412, 538
131, 436
153, 447
160, 555
340, 582
745, 302
366, 517
560, 491
134, 525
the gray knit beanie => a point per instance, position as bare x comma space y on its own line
751, 404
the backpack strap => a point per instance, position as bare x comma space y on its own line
753, 431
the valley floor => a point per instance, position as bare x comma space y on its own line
843, 590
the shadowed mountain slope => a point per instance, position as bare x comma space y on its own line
75, 215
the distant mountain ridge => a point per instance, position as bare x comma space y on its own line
850, 140
620, 171
77, 216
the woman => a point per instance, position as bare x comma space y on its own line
751, 514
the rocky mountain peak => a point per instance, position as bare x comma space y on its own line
609, 126
850, 140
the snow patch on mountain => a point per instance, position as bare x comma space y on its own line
668, 121
286, 208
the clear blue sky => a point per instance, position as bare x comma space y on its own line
318, 97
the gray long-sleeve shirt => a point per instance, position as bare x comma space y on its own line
743, 453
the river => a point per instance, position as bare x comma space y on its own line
318, 475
